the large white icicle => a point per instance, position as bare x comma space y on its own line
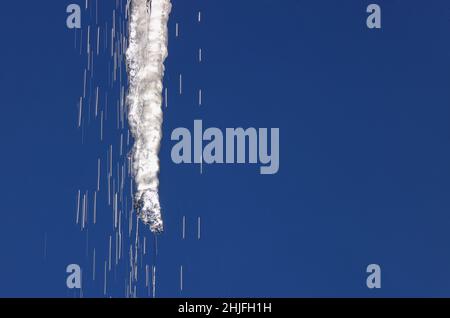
145, 56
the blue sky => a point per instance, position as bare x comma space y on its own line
364, 151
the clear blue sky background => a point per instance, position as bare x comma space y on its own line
365, 151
